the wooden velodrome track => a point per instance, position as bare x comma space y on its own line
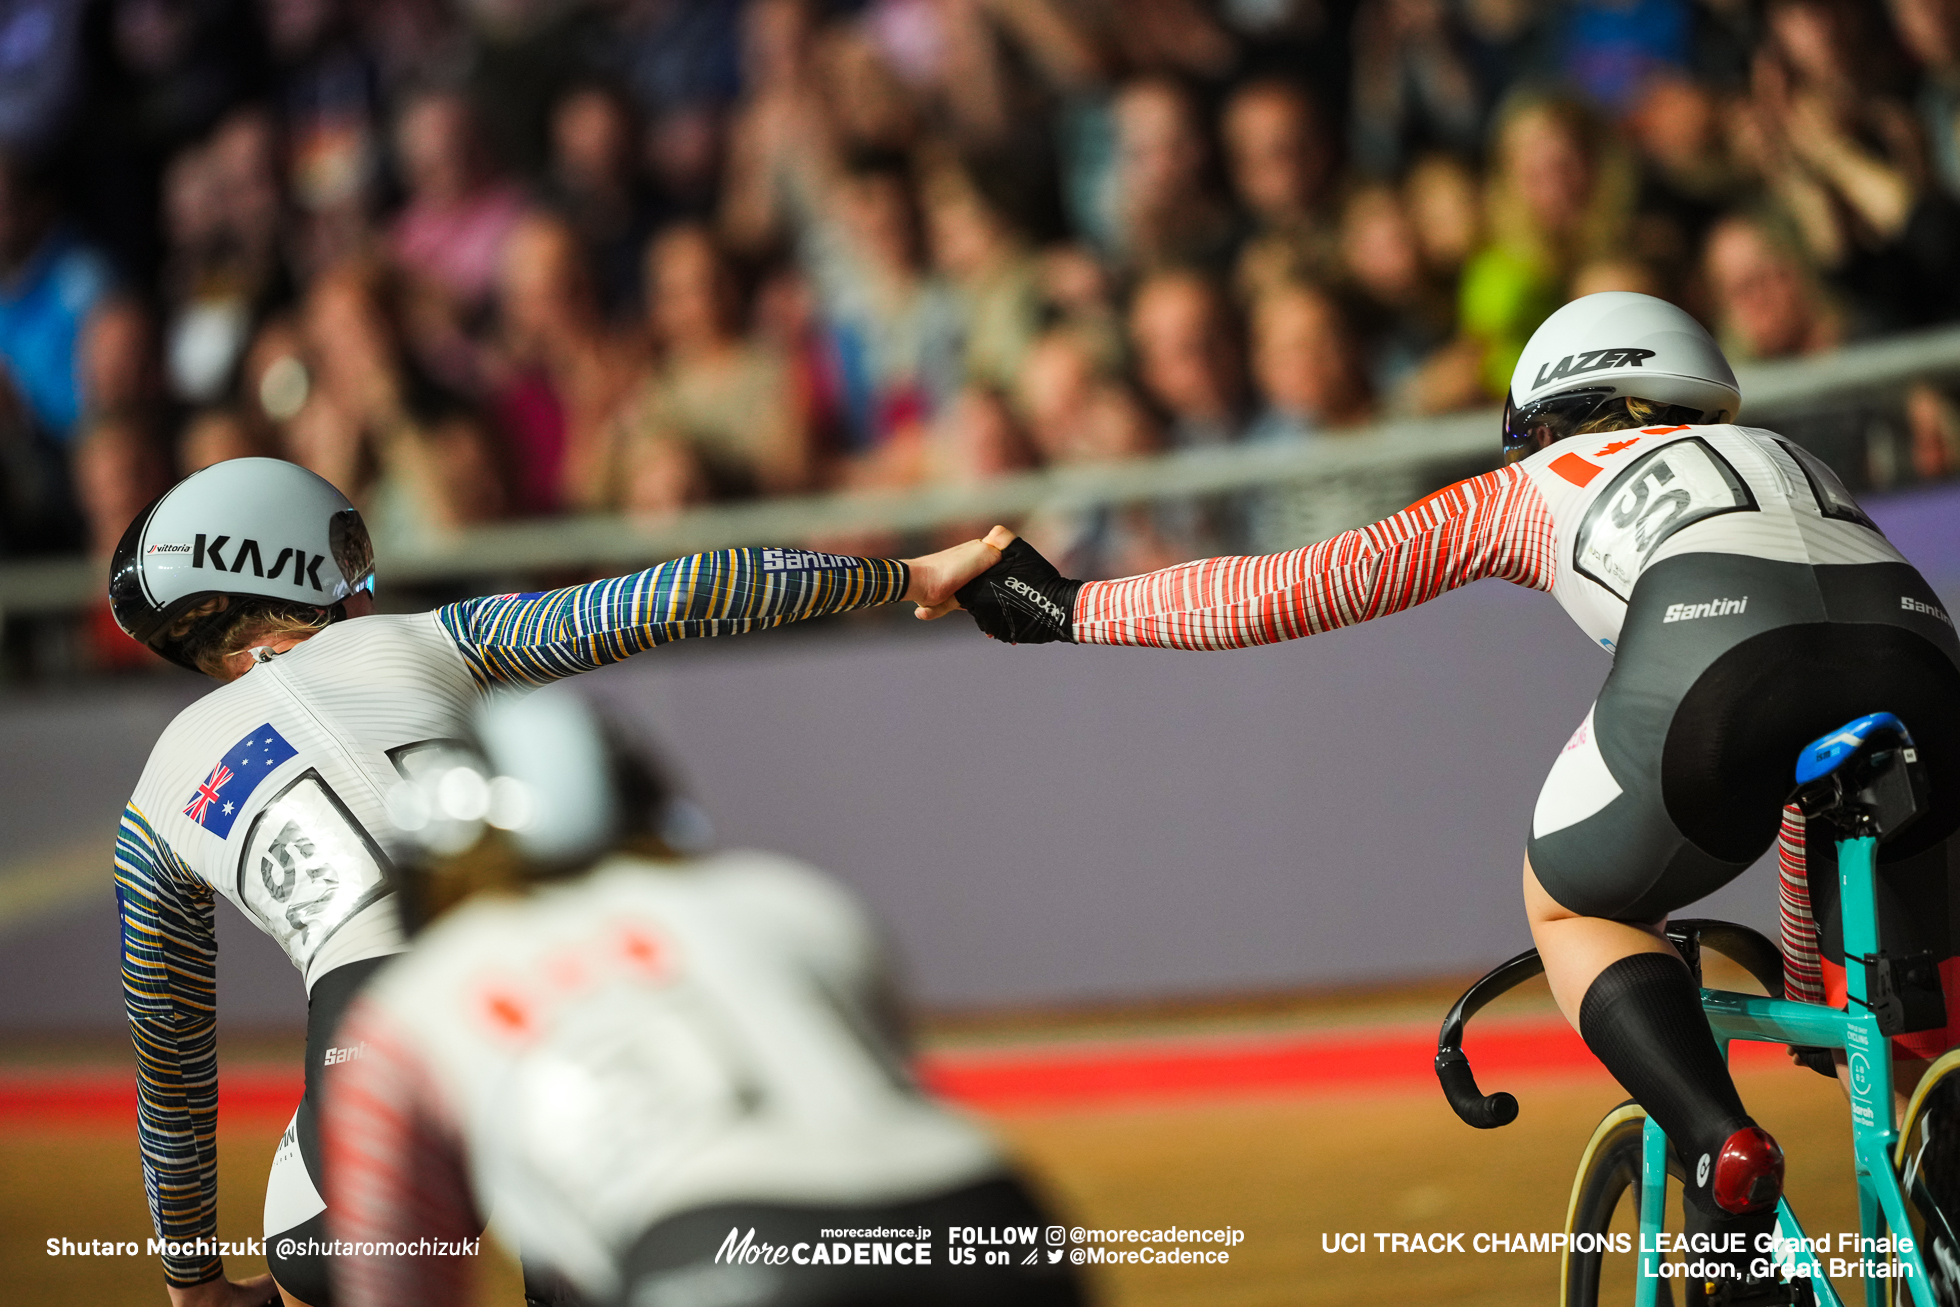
1289, 1120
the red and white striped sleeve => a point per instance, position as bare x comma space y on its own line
396, 1173
1496, 524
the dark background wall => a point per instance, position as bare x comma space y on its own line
1035, 825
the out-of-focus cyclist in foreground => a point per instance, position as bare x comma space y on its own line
271, 790
1750, 606
669, 1079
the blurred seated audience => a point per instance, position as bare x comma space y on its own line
476, 261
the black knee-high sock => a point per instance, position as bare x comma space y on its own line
1643, 1019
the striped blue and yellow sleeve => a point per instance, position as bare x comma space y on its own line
529, 639
170, 979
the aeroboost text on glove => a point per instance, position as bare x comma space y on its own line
1022, 599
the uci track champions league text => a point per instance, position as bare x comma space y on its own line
1846, 1255
988, 1245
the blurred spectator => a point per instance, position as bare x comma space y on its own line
1162, 210
1930, 32
1414, 84
724, 402
224, 264
965, 223
1281, 163
1614, 274
1189, 357
1404, 315
411, 454
1687, 175
1933, 430
51, 284
326, 89
1842, 155
1447, 209
215, 436
161, 73
451, 232
976, 439
596, 184
1561, 193
41, 73
1768, 302
566, 372
999, 281
1611, 47
1078, 412
1306, 366
896, 328
1311, 378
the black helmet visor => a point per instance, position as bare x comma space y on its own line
1547, 421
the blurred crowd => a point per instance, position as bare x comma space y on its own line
481, 259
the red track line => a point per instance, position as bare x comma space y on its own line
1069, 1074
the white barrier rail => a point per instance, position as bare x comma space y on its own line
601, 543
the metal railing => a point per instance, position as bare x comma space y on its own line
1806, 391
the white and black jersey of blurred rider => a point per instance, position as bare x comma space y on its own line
649, 1068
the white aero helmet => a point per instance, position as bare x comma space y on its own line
1610, 345
253, 527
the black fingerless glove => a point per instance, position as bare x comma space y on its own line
1022, 599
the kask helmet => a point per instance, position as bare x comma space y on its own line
248, 527
1608, 346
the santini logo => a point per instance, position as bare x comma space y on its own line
1593, 360
797, 560
1713, 608
1920, 606
335, 1056
1046, 606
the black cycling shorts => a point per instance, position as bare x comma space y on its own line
676, 1260
303, 1272
1726, 667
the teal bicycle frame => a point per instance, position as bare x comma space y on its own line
1881, 1203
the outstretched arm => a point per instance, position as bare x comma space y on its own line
1492, 525
170, 971
530, 639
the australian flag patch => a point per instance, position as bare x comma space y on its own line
216, 803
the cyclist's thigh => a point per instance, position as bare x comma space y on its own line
295, 1204
1602, 842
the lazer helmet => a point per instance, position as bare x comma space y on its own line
1615, 344
247, 527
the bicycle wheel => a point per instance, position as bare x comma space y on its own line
1928, 1159
1609, 1171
